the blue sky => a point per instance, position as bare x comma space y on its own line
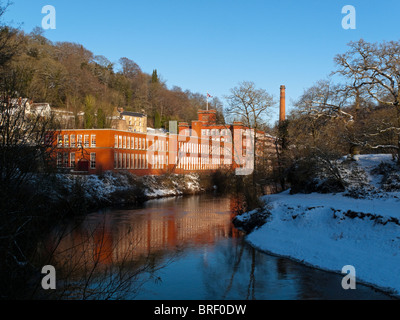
212, 45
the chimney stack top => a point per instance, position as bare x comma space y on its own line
282, 115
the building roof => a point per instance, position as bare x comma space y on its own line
133, 114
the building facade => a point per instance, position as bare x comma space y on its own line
202, 146
130, 121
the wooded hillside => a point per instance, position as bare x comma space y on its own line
69, 77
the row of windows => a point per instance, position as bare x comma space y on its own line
123, 142
141, 161
72, 141
130, 161
202, 163
68, 160
136, 123
195, 148
216, 132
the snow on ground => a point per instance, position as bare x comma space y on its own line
173, 186
330, 231
102, 187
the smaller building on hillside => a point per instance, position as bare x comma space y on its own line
42, 109
130, 121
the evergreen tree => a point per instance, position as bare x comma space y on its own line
154, 77
157, 120
89, 118
101, 119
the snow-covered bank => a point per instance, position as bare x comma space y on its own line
118, 188
358, 227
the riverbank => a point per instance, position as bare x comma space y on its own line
51, 199
358, 227
118, 189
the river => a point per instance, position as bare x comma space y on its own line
180, 248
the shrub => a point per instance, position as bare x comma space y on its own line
315, 173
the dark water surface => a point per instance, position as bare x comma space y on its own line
184, 248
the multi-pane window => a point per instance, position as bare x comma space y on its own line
124, 143
86, 141
120, 160
120, 142
59, 159
92, 160
66, 141
65, 160
115, 141
93, 140
59, 141
115, 160
72, 141
128, 144
79, 142
72, 160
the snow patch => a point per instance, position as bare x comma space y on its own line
359, 227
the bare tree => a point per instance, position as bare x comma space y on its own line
130, 69
251, 106
322, 105
25, 154
375, 69
325, 99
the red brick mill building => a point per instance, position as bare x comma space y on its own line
202, 146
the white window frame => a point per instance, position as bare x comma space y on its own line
93, 160
93, 139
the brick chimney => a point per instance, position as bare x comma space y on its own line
282, 115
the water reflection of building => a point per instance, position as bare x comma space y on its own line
123, 236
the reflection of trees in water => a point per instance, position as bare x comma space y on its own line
242, 272
252, 280
91, 265
232, 272
114, 254
111, 255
